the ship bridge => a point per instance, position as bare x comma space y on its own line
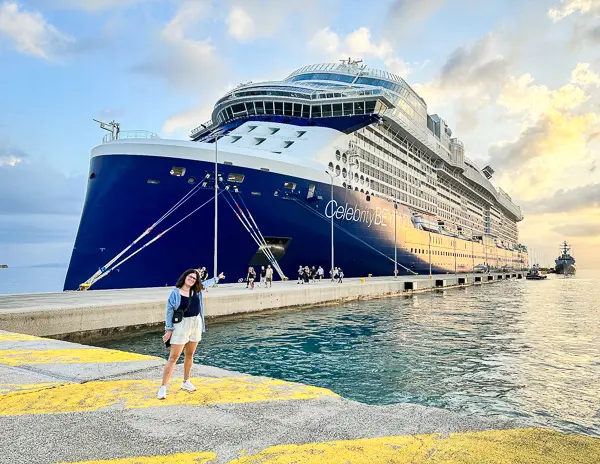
345, 96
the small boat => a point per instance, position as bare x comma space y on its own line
3, 266
535, 274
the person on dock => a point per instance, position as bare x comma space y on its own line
313, 274
263, 275
340, 275
184, 302
300, 272
320, 273
250, 278
269, 276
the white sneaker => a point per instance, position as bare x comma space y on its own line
187, 385
162, 393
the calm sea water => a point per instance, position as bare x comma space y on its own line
517, 349
32, 279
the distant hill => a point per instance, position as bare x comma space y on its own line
61, 265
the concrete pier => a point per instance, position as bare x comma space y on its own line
78, 316
63, 402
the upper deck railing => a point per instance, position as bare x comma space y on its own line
128, 135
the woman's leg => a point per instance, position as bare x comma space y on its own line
188, 360
173, 357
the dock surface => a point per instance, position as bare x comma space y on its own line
82, 314
70, 403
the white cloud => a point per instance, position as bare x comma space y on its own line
583, 76
9, 160
186, 64
240, 23
31, 33
357, 44
188, 120
569, 7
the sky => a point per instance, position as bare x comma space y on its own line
518, 82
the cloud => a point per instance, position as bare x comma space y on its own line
35, 187
583, 76
10, 156
468, 80
248, 20
585, 229
357, 44
567, 201
185, 64
404, 16
569, 7
31, 33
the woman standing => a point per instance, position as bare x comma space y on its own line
251, 277
186, 296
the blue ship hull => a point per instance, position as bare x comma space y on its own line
120, 204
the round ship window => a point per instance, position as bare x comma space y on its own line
337, 155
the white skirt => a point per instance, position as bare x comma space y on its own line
188, 330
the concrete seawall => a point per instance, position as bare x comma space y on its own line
93, 314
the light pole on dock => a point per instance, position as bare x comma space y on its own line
332, 209
395, 242
215, 271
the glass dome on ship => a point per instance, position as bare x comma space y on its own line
281, 147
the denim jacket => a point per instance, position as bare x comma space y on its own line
175, 300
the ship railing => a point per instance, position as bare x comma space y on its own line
201, 127
131, 134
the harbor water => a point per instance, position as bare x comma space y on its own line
526, 350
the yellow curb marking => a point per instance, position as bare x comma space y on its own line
127, 394
21, 387
11, 337
91, 355
179, 458
531, 446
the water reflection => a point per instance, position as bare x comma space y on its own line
526, 350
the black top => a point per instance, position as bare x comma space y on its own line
193, 309
263, 272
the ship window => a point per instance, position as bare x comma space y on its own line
306, 111
344, 184
260, 107
287, 109
337, 170
274, 130
276, 193
300, 133
278, 108
316, 111
239, 108
269, 107
250, 108
337, 155
191, 180
362, 179
348, 109
153, 181
229, 163
311, 191
287, 144
289, 185
370, 107
232, 177
297, 110
344, 173
330, 166
356, 189
235, 138
255, 194
251, 128
177, 171
359, 108
93, 175
345, 158
326, 111
337, 109
265, 169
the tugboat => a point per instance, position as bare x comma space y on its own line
565, 263
535, 274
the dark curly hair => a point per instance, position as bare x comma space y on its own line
197, 287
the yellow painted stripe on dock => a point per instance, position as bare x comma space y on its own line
92, 355
179, 458
15, 337
21, 387
531, 446
92, 396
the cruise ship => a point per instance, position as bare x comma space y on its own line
333, 147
